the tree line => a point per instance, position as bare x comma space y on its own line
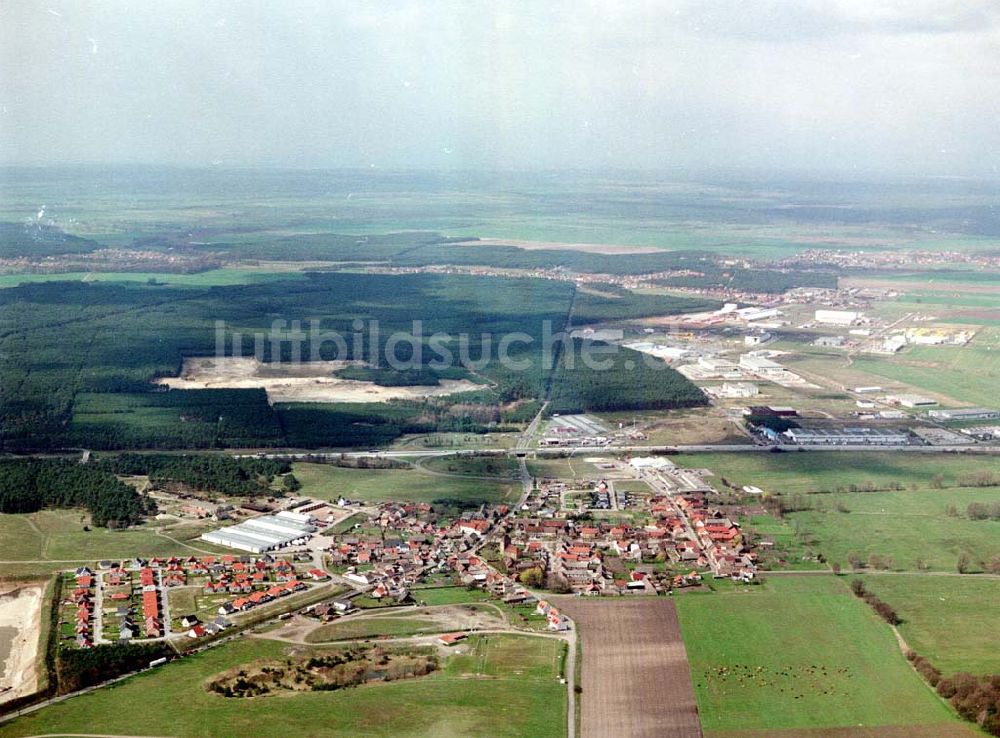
77, 668
884, 609
975, 698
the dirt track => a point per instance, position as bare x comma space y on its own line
636, 680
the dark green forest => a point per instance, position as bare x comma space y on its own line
28, 485
619, 379
210, 472
770, 281
77, 359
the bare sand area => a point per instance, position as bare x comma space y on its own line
308, 381
20, 628
590, 248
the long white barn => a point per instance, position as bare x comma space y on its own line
266, 533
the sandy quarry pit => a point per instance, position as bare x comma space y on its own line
307, 381
20, 628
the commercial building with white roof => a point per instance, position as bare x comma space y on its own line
265, 533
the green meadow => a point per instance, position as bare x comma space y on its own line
968, 374
504, 686
329, 482
912, 527
210, 278
373, 627
799, 653
50, 540
829, 471
949, 620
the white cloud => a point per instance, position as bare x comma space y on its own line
898, 85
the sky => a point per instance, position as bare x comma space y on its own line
897, 86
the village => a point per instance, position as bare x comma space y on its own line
646, 528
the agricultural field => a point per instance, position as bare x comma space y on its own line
509, 683
801, 653
324, 481
906, 530
956, 297
830, 471
966, 374
953, 375
948, 620
465, 466
635, 671
49, 540
210, 278
908, 510
570, 467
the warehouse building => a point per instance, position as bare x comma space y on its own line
760, 365
968, 413
837, 317
911, 401
847, 437
266, 533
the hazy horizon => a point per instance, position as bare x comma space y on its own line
845, 87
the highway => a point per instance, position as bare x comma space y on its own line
562, 451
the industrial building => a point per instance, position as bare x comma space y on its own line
968, 413
756, 339
982, 432
265, 533
829, 341
847, 437
911, 401
667, 353
751, 314
837, 317
734, 389
716, 365
761, 365
893, 344
709, 366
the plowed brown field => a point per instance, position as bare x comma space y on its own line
636, 681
